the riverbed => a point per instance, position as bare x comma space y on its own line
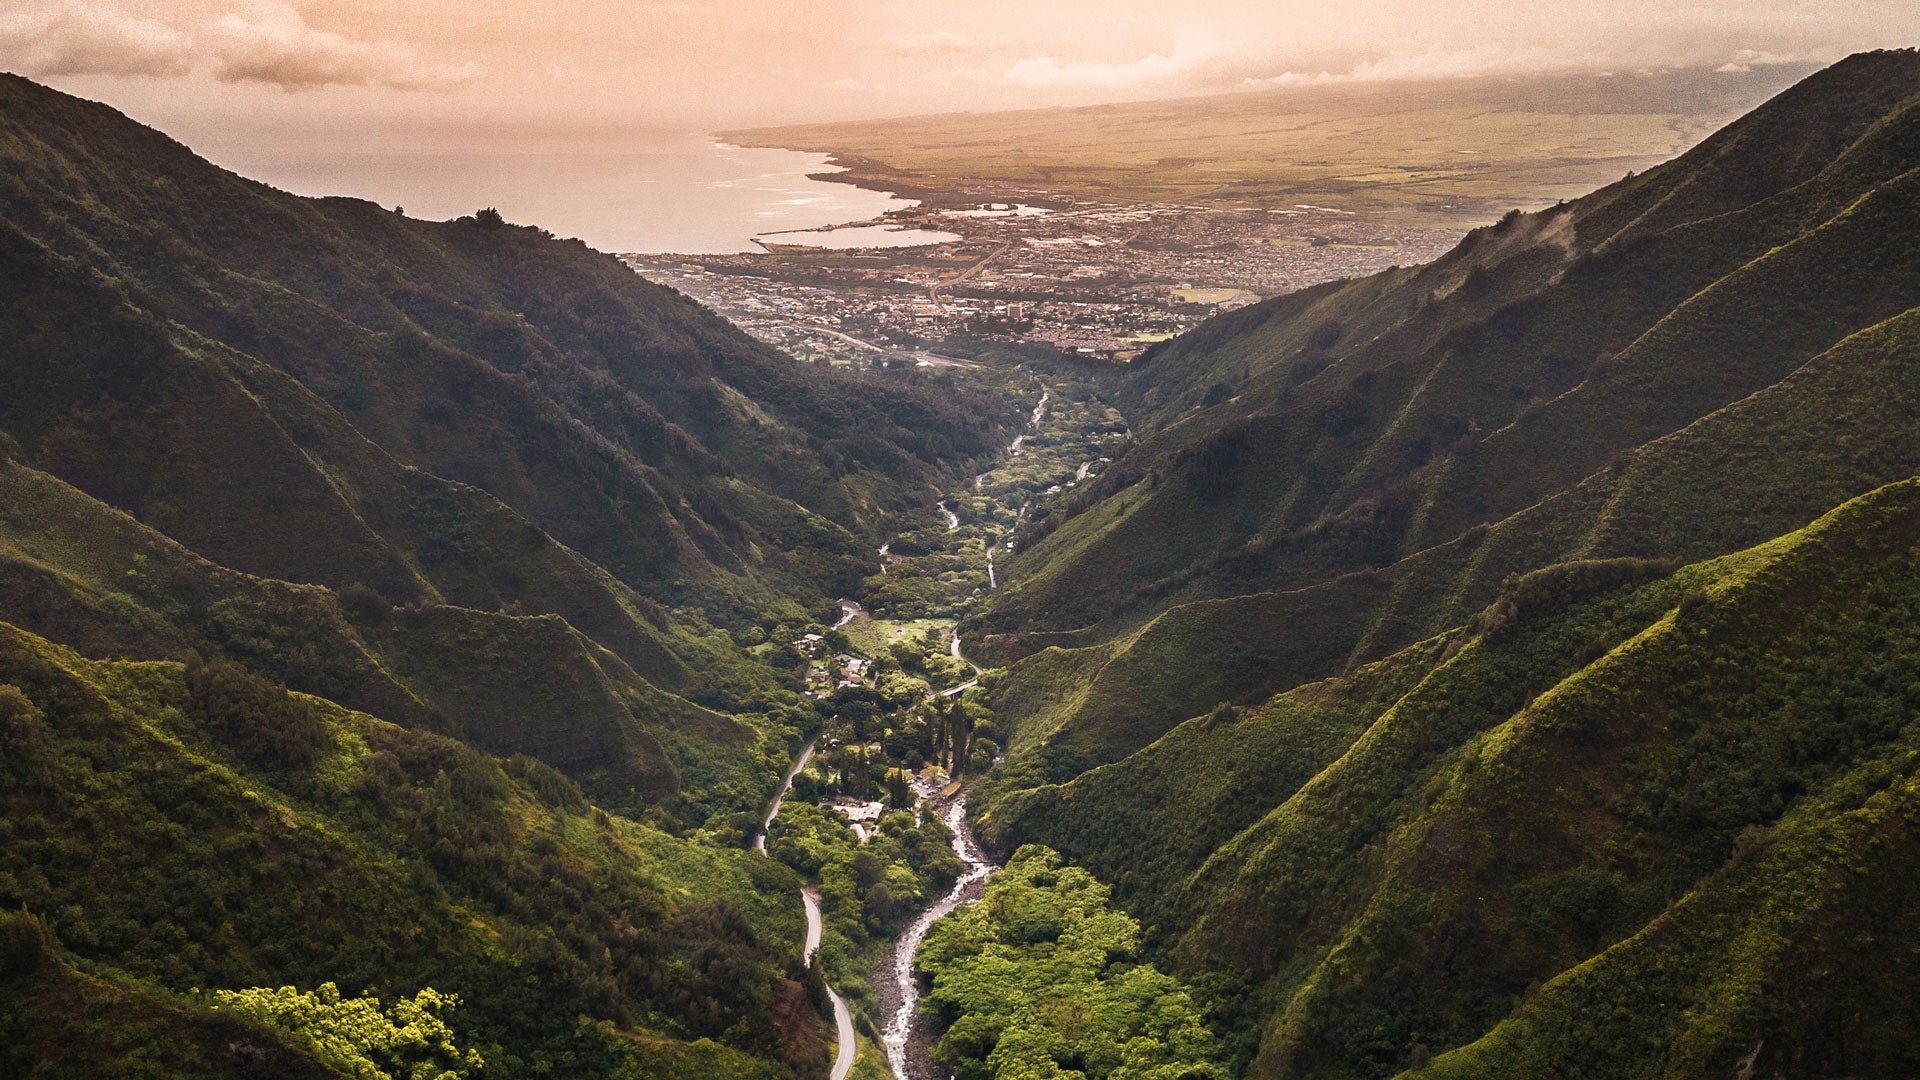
909, 1043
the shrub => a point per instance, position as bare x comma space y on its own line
408, 1041
364, 605
25, 942
257, 719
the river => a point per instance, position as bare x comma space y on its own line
908, 1044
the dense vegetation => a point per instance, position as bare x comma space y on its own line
1041, 979
1685, 363
868, 889
502, 515
1498, 843
164, 842
403, 624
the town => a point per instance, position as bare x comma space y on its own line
936, 282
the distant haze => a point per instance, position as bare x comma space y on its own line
368, 64
259, 84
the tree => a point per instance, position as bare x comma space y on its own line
899, 795
408, 1041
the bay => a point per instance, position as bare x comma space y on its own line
631, 192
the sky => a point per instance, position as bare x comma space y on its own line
369, 72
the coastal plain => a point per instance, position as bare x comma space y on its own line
1098, 231
1444, 154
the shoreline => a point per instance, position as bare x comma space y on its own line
871, 174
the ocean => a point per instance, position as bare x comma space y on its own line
651, 192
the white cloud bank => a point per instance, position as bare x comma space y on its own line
88, 40
1470, 63
268, 42
273, 44
1045, 72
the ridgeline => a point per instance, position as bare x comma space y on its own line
1503, 667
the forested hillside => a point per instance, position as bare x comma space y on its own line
499, 513
1682, 364
1506, 667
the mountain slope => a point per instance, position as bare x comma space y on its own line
185, 826
1545, 392
495, 509
451, 430
1497, 842
615, 415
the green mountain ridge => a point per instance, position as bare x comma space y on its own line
1541, 394
1498, 668
499, 511
1463, 691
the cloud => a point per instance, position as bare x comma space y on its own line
1747, 59
1044, 72
1438, 64
273, 44
89, 40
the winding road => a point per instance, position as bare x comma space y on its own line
845, 1047
975, 681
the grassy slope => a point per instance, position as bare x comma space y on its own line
1504, 408
1222, 772
1730, 755
1640, 829
84, 573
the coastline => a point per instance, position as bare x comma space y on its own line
871, 174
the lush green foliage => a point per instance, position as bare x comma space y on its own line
1683, 364
1474, 852
1600, 820
1040, 979
867, 890
162, 852
409, 1040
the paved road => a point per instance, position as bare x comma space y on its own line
933, 291
845, 1047
844, 1044
975, 681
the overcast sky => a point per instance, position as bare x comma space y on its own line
379, 68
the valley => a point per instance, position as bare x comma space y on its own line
1337, 626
